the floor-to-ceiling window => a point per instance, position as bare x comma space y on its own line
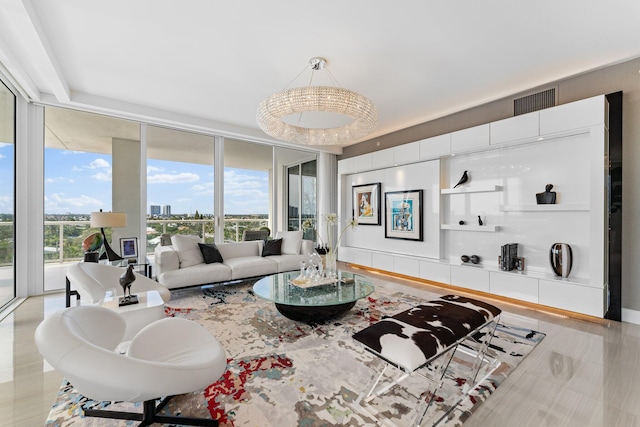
180, 180
248, 178
7, 193
79, 161
301, 193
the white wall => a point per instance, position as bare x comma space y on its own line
420, 176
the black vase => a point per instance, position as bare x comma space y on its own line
561, 259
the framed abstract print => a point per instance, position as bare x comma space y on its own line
366, 203
403, 215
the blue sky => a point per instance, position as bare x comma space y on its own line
80, 182
6, 178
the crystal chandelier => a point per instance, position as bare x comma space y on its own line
359, 109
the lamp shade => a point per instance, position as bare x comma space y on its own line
108, 219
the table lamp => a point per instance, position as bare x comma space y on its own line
108, 219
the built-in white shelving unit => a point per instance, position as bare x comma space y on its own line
509, 161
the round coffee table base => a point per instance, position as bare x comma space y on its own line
313, 313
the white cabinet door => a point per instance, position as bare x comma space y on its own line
470, 139
435, 271
515, 129
382, 262
406, 153
514, 286
406, 266
575, 115
382, 159
568, 296
471, 278
345, 166
361, 257
433, 148
362, 163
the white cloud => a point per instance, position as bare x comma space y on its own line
6, 203
176, 178
102, 176
2, 156
153, 169
99, 164
61, 203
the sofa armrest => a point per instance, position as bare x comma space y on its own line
307, 247
166, 259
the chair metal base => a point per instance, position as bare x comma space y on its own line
150, 415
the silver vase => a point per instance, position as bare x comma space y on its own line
561, 259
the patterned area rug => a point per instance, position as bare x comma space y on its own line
286, 373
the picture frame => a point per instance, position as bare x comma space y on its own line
129, 247
403, 215
366, 203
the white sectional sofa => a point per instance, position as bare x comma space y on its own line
183, 263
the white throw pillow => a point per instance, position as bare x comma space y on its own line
188, 250
291, 242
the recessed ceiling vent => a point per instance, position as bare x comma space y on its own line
535, 102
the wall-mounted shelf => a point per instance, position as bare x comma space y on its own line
482, 228
544, 208
471, 189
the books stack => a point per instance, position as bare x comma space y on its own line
508, 256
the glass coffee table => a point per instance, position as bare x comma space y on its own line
310, 301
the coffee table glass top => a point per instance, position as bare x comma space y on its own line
349, 287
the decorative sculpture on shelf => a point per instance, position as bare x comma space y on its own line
480, 221
126, 279
464, 178
475, 259
548, 197
461, 222
561, 259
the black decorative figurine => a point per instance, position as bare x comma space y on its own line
461, 222
475, 259
480, 221
126, 279
548, 197
464, 178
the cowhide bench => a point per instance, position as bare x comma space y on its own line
425, 338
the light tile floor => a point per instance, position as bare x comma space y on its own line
583, 374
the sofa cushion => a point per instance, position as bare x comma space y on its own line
272, 247
291, 241
210, 253
240, 249
244, 267
289, 262
188, 249
195, 275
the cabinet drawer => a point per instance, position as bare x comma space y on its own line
514, 286
470, 278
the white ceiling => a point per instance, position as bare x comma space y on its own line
208, 63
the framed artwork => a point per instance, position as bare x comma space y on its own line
366, 203
403, 215
129, 247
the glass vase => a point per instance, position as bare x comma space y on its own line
330, 261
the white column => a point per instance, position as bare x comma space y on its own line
125, 188
327, 196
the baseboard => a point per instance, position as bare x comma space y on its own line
631, 316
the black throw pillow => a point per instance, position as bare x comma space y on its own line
272, 247
210, 253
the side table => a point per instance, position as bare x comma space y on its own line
150, 307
